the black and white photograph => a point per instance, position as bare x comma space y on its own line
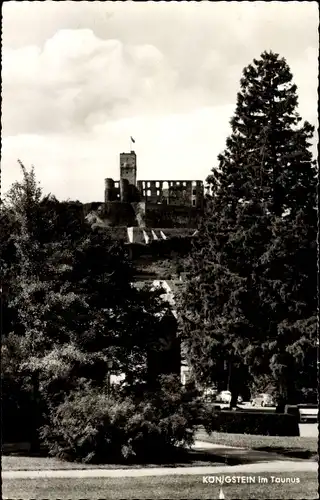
159, 250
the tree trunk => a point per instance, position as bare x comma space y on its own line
283, 395
238, 379
234, 398
234, 385
287, 393
281, 403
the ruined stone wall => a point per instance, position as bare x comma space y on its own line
177, 193
145, 215
111, 190
158, 215
117, 213
93, 206
187, 193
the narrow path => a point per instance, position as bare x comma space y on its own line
280, 466
205, 445
234, 455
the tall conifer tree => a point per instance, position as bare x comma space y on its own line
251, 292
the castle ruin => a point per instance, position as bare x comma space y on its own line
156, 203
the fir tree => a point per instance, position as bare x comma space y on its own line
249, 288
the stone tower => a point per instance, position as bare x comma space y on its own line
128, 168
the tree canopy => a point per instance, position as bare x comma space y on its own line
70, 306
250, 302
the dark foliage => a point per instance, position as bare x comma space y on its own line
258, 423
250, 304
91, 427
74, 310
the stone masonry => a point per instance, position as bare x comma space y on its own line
183, 193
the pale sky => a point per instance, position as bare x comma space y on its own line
80, 78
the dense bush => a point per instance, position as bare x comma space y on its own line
261, 423
206, 412
91, 427
309, 395
88, 428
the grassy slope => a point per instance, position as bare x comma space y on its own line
171, 487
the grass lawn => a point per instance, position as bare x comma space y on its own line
293, 447
171, 487
289, 445
185, 458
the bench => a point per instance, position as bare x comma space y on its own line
308, 414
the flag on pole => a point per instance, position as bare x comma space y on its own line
132, 140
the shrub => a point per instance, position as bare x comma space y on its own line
309, 395
261, 423
83, 427
91, 427
205, 413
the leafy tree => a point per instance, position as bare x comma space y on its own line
249, 304
77, 309
73, 293
20, 256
